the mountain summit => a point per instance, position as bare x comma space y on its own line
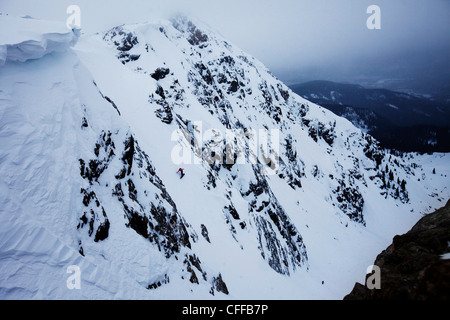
281, 199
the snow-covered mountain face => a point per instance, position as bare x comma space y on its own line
280, 198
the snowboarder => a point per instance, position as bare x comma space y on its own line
181, 171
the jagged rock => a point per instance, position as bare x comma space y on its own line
165, 114
84, 123
159, 283
128, 154
350, 201
284, 254
112, 103
124, 43
159, 221
320, 130
234, 86
205, 233
160, 73
94, 216
219, 284
104, 151
412, 267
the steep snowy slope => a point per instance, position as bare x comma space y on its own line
92, 139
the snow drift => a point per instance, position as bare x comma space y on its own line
23, 39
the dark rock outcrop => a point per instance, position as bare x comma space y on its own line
219, 285
160, 73
413, 267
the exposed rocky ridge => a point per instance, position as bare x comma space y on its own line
240, 92
413, 267
212, 81
123, 172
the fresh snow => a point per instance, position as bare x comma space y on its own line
54, 111
32, 38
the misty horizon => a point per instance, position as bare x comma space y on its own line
300, 41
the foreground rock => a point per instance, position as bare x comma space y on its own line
416, 265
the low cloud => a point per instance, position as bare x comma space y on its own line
288, 36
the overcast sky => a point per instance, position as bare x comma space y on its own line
289, 36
